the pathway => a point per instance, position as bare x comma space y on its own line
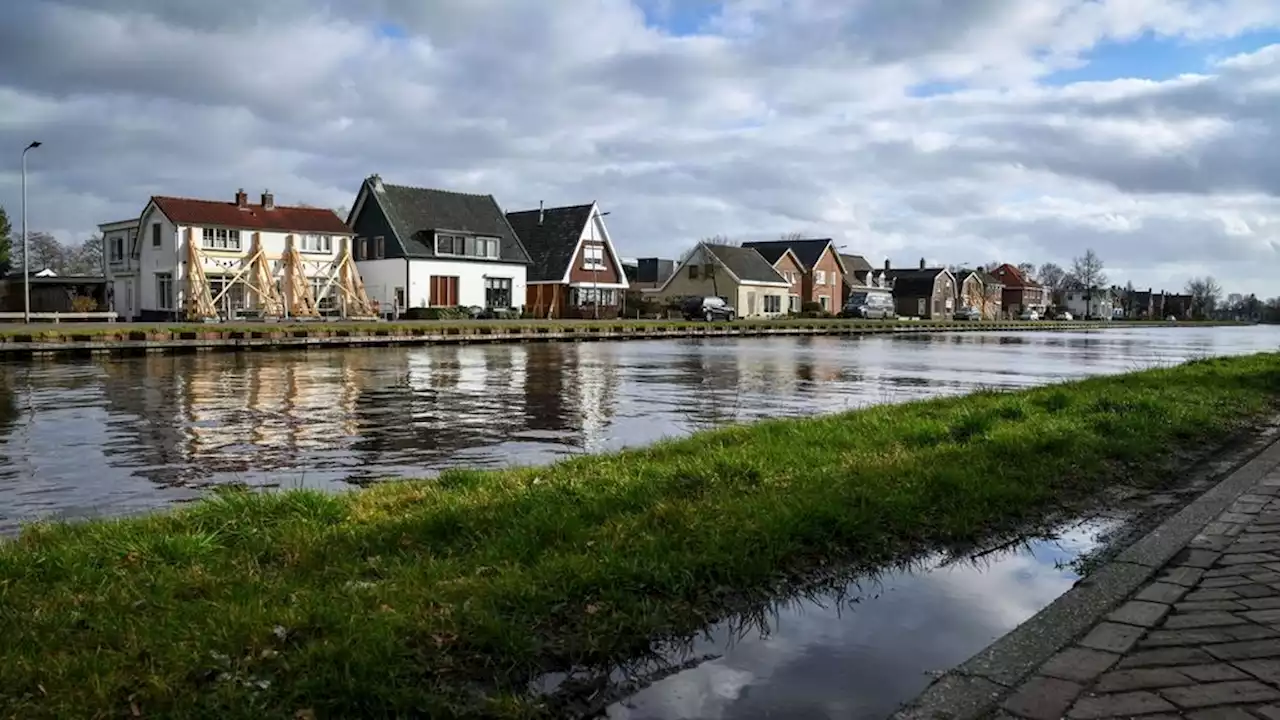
1201, 640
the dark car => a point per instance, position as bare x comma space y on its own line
708, 308
869, 306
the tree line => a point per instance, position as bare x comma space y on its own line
47, 252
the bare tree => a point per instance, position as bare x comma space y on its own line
1087, 270
46, 253
1205, 293
722, 240
1052, 276
6, 240
791, 236
84, 260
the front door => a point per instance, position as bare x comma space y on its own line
128, 299
922, 307
751, 304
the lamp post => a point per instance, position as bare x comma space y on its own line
26, 254
595, 268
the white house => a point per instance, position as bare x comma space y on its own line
205, 259
421, 248
1099, 305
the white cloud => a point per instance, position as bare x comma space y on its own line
773, 117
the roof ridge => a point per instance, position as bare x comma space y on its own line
386, 184
232, 203
549, 209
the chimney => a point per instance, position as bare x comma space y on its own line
268, 200
886, 264
376, 180
921, 263
242, 199
540, 213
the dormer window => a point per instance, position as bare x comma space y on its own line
593, 257
467, 246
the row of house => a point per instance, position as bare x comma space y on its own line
403, 248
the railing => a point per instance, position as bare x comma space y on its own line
60, 316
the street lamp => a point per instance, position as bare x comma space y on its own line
26, 251
595, 269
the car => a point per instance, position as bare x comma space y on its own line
1066, 316
708, 308
1029, 315
968, 314
869, 306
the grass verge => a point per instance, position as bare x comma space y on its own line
444, 598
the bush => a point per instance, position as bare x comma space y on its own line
83, 304
437, 313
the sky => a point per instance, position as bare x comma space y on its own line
960, 131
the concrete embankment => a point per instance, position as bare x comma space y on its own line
127, 339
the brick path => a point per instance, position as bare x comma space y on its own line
1200, 641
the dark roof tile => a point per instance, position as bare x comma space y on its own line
417, 213
746, 263
551, 242
807, 251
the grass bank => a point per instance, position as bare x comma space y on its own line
443, 598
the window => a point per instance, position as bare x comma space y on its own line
824, 301
593, 257
221, 239
164, 289
400, 297
155, 234
380, 247
444, 291
693, 272
772, 303
117, 248
820, 277
497, 292
466, 246
316, 243
323, 292
588, 296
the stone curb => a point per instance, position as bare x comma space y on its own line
974, 689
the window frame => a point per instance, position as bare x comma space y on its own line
210, 237
316, 243
164, 300
495, 288
593, 256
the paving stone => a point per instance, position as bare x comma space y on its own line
1141, 679
1043, 698
1261, 603
1266, 670
1112, 637
1217, 672
1256, 498
1182, 576
1218, 605
1245, 650
1224, 581
1255, 591
1247, 507
1206, 636
1162, 593
1266, 617
1207, 595
1164, 657
1201, 620
1078, 664
1200, 558
1119, 705
1139, 612
1236, 692
1224, 528
1223, 713
1268, 518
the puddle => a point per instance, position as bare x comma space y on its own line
866, 654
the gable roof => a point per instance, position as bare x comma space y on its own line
808, 252
415, 214
551, 243
1011, 276
747, 264
984, 277
855, 263
914, 281
281, 218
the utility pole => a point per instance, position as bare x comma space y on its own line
26, 250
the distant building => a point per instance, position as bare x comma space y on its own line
648, 273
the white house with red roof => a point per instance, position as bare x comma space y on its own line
204, 259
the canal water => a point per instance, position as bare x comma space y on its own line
95, 437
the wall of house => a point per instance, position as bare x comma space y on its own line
791, 270
943, 304
371, 222
596, 234
1099, 306
833, 280
471, 277
156, 259
381, 278
681, 285
750, 300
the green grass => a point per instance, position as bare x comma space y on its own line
444, 598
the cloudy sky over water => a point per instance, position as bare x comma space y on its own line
963, 131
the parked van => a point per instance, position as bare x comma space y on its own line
869, 306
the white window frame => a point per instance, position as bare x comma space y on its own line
213, 238
320, 244
824, 301
483, 247
593, 256
776, 302
820, 277
164, 296
117, 248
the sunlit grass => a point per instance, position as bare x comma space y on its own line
443, 598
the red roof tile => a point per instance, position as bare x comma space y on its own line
282, 218
1013, 277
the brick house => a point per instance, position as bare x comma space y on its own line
575, 271
818, 261
1021, 293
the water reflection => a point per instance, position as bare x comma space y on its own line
88, 437
865, 655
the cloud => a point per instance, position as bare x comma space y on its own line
915, 128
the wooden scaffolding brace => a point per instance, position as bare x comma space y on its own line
343, 274
255, 274
297, 288
199, 306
